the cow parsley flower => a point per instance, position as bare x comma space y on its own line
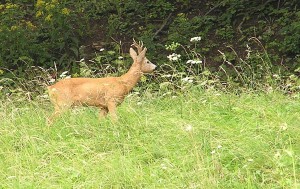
195, 39
194, 62
174, 57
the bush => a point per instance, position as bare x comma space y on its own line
38, 34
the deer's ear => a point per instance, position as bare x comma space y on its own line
142, 55
133, 54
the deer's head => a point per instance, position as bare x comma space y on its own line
140, 59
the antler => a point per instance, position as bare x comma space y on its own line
139, 46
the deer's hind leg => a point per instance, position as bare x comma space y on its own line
61, 104
103, 112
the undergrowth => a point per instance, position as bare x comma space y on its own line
41, 32
184, 67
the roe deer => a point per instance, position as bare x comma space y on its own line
105, 93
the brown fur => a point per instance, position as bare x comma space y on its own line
105, 93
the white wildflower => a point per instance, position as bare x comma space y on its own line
188, 128
102, 49
139, 103
120, 58
198, 62
44, 96
64, 75
284, 127
250, 160
187, 80
174, 57
163, 166
277, 154
52, 80
189, 62
194, 62
168, 75
219, 146
167, 93
213, 152
195, 39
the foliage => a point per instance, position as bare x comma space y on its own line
61, 35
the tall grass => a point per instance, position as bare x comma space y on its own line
198, 139
181, 136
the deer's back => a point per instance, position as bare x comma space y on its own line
88, 91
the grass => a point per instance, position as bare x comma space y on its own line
199, 139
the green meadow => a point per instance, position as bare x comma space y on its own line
196, 139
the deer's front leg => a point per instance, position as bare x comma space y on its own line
111, 106
57, 112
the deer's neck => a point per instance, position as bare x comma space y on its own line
132, 77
